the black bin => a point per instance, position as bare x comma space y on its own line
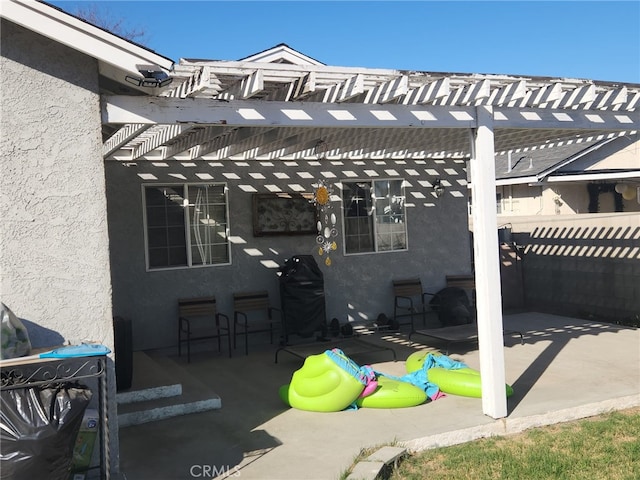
123, 346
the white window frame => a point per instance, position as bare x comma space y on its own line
374, 232
187, 225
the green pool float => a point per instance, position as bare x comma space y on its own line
325, 383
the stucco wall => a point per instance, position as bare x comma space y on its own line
581, 264
556, 199
357, 287
54, 253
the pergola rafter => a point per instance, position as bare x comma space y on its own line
316, 98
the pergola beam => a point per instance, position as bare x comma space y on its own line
195, 137
508, 94
158, 110
123, 136
297, 89
196, 82
249, 86
160, 137
544, 95
340, 92
388, 91
429, 92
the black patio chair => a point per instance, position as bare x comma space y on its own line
257, 306
198, 319
410, 301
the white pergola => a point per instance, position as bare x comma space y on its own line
280, 105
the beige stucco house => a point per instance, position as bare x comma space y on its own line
592, 176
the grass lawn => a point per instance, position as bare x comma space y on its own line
606, 447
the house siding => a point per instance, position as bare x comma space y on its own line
557, 199
54, 253
357, 287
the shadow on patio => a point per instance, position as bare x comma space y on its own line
567, 368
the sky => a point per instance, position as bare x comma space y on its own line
596, 40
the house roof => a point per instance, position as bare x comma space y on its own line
118, 58
570, 161
281, 53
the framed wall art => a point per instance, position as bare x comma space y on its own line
283, 214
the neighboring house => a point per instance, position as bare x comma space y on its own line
568, 219
122, 193
592, 176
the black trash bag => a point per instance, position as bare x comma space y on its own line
38, 430
302, 297
453, 307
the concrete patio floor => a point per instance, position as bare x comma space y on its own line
567, 369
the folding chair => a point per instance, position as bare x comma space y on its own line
198, 319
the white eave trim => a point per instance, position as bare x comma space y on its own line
516, 181
590, 177
81, 36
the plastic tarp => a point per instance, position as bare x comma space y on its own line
38, 430
302, 296
14, 337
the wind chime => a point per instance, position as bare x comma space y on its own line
326, 224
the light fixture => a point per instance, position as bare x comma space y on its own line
438, 188
320, 149
153, 76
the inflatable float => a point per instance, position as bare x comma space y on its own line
328, 382
392, 393
415, 361
462, 380
331, 381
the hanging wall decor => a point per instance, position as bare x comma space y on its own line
326, 225
326, 219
